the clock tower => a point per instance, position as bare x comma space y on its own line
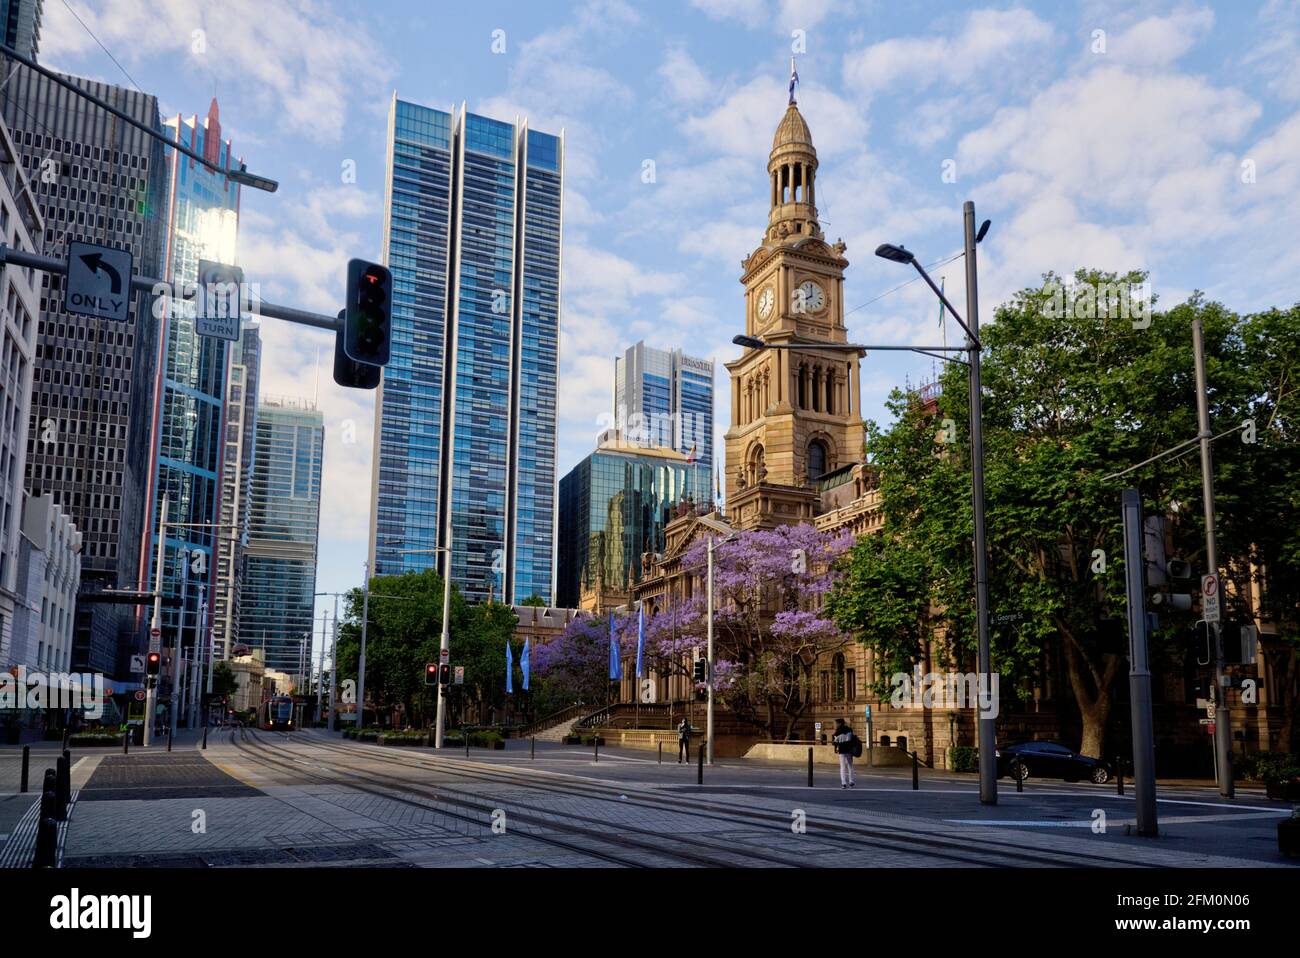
795, 413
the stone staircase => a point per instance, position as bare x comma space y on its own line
556, 733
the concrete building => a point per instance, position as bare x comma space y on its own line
50, 574
279, 584
96, 179
21, 227
20, 25
465, 421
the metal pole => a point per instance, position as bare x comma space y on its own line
708, 675
320, 659
155, 625
445, 644
27, 755
810, 766
699, 775
1139, 676
1222, 728
361, 660
334, 659
987, 732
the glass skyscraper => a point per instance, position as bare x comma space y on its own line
665, 398
190, 385
613, 508
277, 595
465, 421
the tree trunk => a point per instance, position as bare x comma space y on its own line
1092, 694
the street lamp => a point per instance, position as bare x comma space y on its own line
727, 533
973, 347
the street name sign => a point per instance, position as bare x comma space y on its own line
98, 283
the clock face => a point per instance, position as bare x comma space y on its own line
808, 297
766, 300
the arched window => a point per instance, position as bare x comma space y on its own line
838, 668
816, 459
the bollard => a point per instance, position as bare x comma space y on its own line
49, 795
532, 747
169, 738
661, 753
1015, 773
1119, 775
916, 774
27, 755
205, 736
62, 788
810, 766
466, 734
126, 741
65, 739
47, 844
595, 741
699, 775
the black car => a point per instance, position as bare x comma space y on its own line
1050, 760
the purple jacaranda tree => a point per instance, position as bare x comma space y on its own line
575, 664
768, 622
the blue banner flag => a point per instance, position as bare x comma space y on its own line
640, 640
510, 668
615, 656
523, 664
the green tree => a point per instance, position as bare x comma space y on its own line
223, 680
1076, 388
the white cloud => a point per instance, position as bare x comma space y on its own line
300, 61
1159, 41
991, 43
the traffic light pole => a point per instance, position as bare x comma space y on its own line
1139, 674
708, 674
445, 646
334, 660
150, 284
1222, 728
155, 631
361, 660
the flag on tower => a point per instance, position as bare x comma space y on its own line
690, 456
794, 79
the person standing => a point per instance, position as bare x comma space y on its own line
844, 741
684, 740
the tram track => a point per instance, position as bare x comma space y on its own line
848, 835
475, 811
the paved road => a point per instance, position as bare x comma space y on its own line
309, 798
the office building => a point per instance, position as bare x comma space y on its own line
465, 422
665, 398
279, 583
614, 506
20, 25
186, 447
48, 579
97, 180
236, 486
20, 227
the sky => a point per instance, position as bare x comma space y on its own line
1162, 136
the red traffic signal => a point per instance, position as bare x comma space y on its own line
431, 674
153, 663
367, 323
444, 676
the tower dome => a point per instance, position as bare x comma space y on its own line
792, 170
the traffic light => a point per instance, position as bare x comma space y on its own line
444, 674
1175, 594
699, 670
431, 674
367, 325
152, 663
348, 372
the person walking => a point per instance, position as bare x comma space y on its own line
684, 740
845, 742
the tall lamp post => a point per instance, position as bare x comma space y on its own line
972, 348
727, 533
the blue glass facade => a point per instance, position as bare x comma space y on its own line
614, 506
665, 398
278, 589
191, 390
472, 236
